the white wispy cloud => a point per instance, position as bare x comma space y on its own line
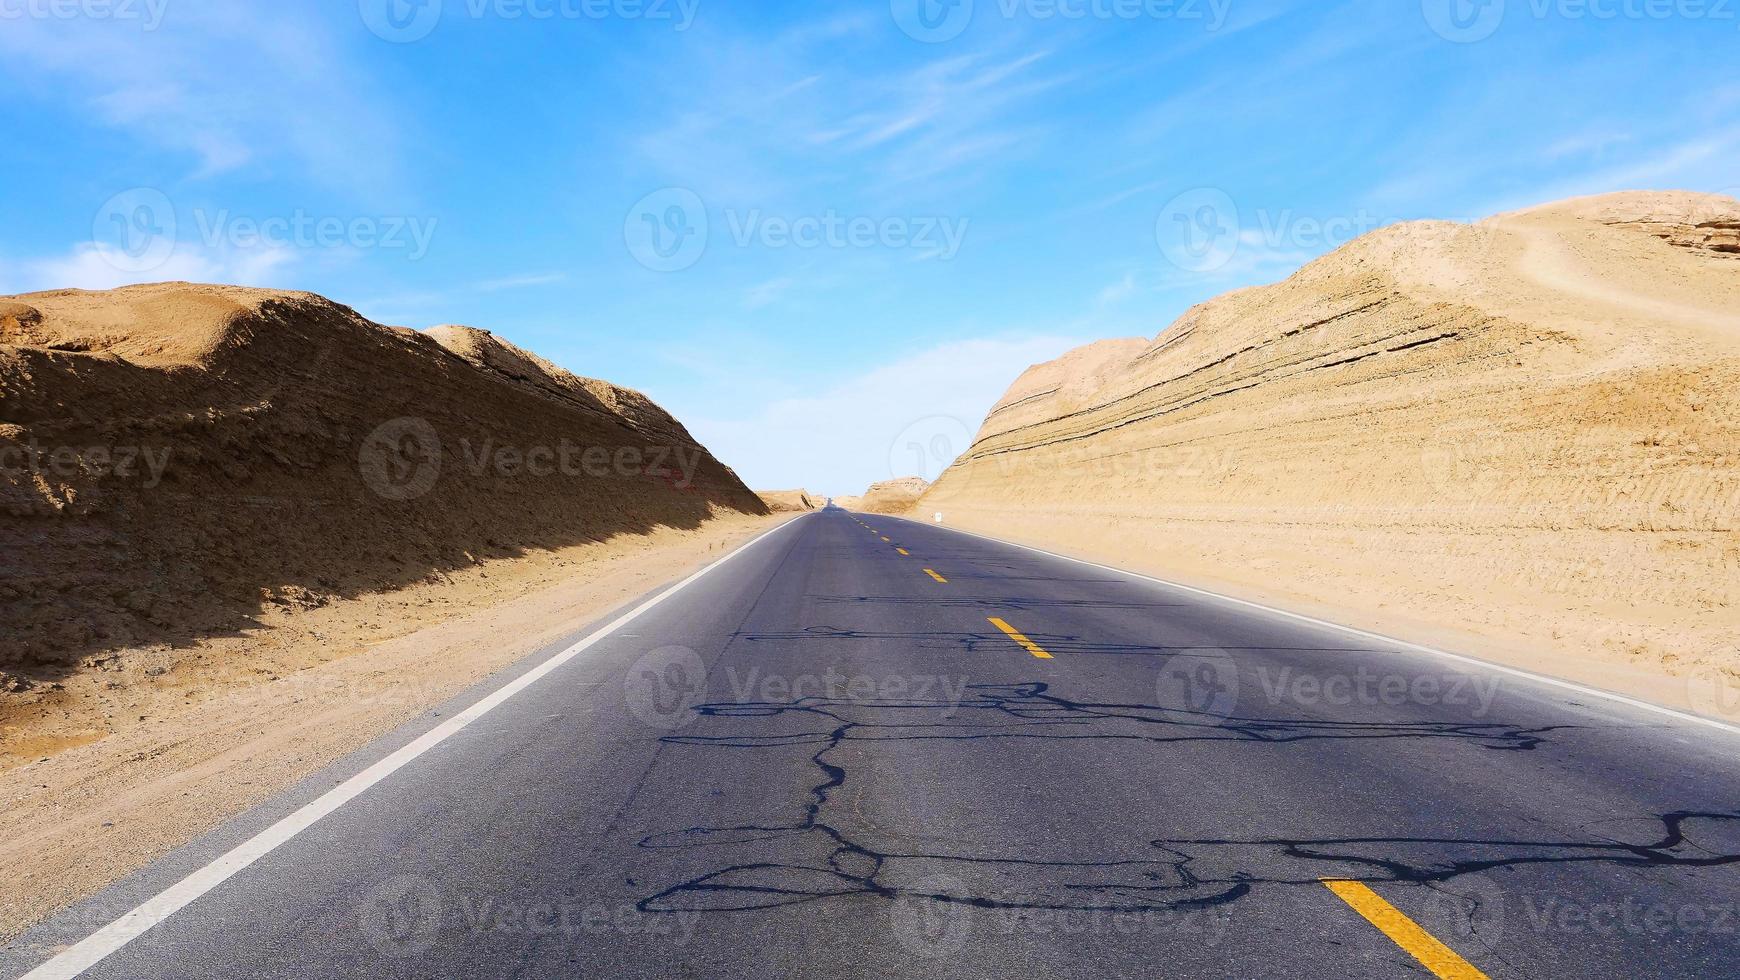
431, 305
1584, 143
519, 282
99, 265
1119, 197
228, 84
1118, 291
1703, 162
760, 123
766, 293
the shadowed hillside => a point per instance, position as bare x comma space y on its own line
175, 458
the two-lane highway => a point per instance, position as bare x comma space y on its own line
865, 746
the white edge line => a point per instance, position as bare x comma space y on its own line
1550, 681
96, 947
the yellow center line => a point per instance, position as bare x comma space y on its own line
887, 539
1014, 634
932, 573
904, 552
1404, 932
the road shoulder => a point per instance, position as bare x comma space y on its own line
80, 819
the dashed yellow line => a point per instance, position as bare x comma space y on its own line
1014, 634
887, 539
904, 552
932, 573
1404, 932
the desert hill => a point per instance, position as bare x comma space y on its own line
887, 497
1528, 427
790, 501
176, 458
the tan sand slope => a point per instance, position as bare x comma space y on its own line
176, 459
1521, 437
790, 501
887, 497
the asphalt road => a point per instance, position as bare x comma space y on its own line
830, 758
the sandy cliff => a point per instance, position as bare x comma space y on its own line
1521, 437
174, 459
790, 501
888, 497
245, 532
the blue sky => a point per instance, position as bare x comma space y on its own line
826, 236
